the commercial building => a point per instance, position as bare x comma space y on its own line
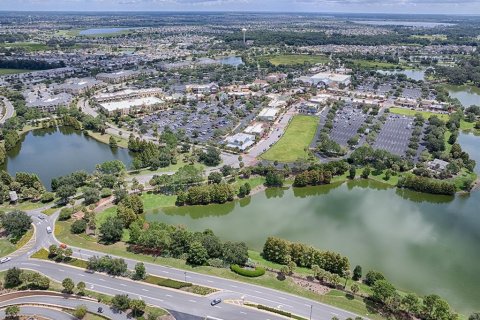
240, 141
268, 114
256, 129
331, 79
78, 86
132, 105
50, 103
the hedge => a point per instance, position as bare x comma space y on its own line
259, 271
280, 312
169, 283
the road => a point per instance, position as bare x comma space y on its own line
9, 110
48, 313
65, 301
166, 298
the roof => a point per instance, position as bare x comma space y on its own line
125, 104
268, 112
327, 76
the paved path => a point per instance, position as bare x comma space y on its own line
9, 110
44, 312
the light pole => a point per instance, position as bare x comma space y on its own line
185, 273
311, 310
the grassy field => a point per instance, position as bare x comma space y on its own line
29, 46
412, 113
12, 71
6, 247
293, 143
293, 59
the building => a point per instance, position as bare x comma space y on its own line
50, 103
202, 88
308, 107
406, 103
240, 141
13, 196
77, 86
268, 114
256, 129
132, 105
128, 94
321, 99
122, 75
329, 79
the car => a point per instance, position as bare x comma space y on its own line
41, 217
215, 302
49, 229
6, 259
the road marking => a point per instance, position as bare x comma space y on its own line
102, 280
258, 291
192, 301
81, 275
165, 271
218, 307
243, 312
233, 286
144, 290
61, 270
29, 264
168, 295
123, 285
209, 281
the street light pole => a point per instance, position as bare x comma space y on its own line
311, 310
185, 276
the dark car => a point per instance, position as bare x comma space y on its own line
215, 302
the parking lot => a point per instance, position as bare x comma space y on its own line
346, 124
395, 134
200, 122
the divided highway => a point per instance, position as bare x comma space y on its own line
168, 298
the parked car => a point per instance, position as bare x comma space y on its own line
215, 302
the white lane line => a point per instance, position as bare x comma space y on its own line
61, 270
81, 275
209, 281
165, 271
257, 291
192, 301
29, 264
233, 286
123, 285
243, 312
102, 280
168, 295
144, 290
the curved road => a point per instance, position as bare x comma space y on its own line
48, 313
9, 110
166, 298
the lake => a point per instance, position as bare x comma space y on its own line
412, 74
467, 95
97, 31
423, 243
55, 152
232, 61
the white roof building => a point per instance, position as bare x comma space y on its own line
268, 114
256, 129
331, 78
240, 141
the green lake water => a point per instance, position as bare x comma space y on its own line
423, 243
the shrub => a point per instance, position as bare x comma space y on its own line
373, 276
216, 263
169, 283
80, 312
47, 197
105, 193
65, 214
78, 226
259, 271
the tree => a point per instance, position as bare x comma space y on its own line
140, 272
114, 167
137, 306
78, 226
121, 302
372, 276
215, 177
291, 266
11, 312
64, 192
127, 215
353, 172
112, 142
274, 179
383, 291
235, 253
197, 255
211, 157
91, 195
16, 223
81, 288
435, 308
80, 311
357, 273
68, 285
111, 230
12, 277
354, 288
366, 173
68, 253
411, 304
52, 250
476, 315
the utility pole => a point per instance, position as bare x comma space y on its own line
311, 311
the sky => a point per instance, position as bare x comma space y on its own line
353, 6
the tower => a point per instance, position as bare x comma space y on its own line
244, 31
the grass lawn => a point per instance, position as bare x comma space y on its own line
412, 113
12, 71
29, 46
105, 138
296, 139
152, 201
173, 167
6, 247
293, 59
27, 205
253, 181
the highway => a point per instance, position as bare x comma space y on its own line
169, 299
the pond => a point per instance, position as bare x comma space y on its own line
55, 152
415, 74
467, 95
231, 61
423, 243
97, 31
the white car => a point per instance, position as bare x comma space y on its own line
49, 230
6, 259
